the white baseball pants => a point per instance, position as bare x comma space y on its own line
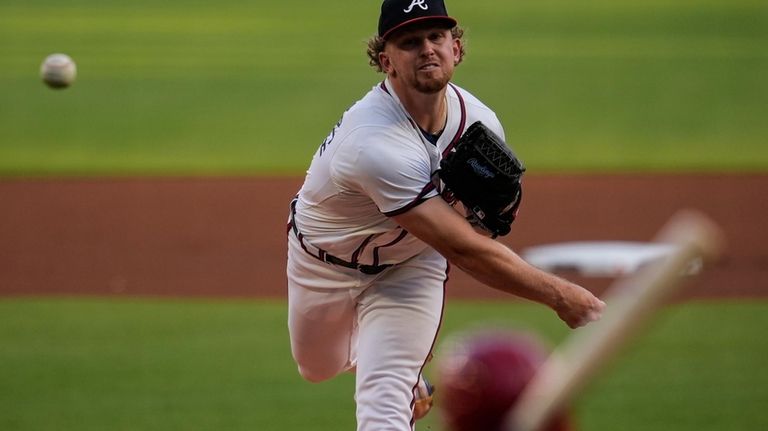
384, 325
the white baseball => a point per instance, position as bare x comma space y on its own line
58, 71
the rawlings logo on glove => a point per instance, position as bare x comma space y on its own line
485, 175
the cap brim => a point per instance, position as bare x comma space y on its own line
450, 23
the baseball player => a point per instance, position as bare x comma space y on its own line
371, 236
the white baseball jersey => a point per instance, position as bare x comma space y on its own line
374, 164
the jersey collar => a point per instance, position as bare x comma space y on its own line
455, 126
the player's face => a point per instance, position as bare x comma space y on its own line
422, 58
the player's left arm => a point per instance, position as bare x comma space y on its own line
494, 264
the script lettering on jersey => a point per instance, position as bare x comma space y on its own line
420, 3
330, 137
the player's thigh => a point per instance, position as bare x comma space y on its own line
413, 293
322, 319
322, 327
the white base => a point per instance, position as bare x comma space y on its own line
600, 258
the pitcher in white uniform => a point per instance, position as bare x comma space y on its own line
370, 236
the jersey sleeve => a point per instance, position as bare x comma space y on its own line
497, 128
394, 173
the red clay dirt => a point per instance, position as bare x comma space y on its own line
226, 236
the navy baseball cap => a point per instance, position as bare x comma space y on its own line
398, 13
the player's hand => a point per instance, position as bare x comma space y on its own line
578, 306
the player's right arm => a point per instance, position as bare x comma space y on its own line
495, 265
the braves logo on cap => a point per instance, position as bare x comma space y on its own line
396, 14
420, 3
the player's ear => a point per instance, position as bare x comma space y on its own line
386, 65
456, 51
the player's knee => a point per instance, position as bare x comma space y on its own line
316, 374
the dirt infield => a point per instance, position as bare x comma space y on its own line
226, 236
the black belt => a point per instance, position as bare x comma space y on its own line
327, 257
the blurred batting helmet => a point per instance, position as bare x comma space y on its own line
481, 375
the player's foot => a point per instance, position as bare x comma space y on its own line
423, 394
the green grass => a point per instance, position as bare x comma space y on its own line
150, 364
253, 87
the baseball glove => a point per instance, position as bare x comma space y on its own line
484, 174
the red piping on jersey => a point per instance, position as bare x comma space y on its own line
463, 120
431, 186
462, 123
356, 254
323, 255
414, 203
389, 244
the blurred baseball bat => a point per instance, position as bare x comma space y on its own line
630, 302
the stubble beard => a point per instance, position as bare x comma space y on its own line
432, 83
429, 84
